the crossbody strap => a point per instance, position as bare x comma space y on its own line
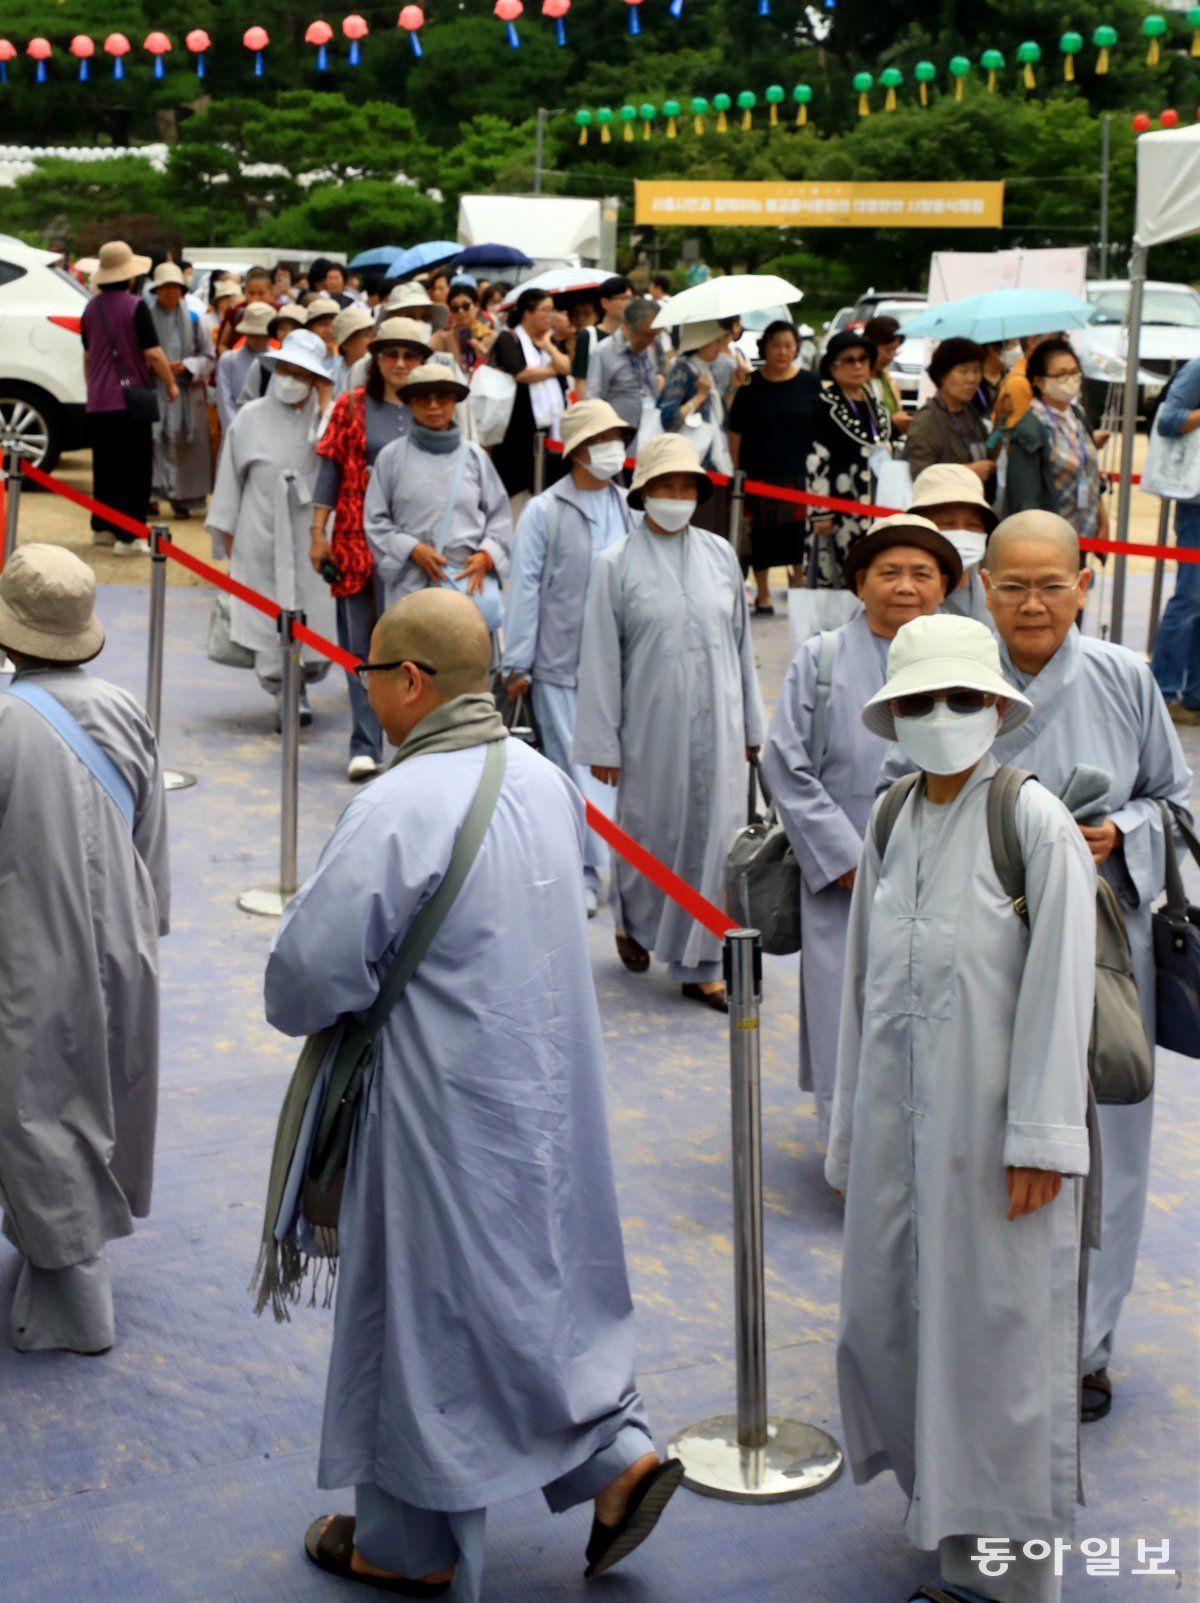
1003, 839
894, 799
1177, 902
112, 344
448, 510
99, 764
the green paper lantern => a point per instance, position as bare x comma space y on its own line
774, 98
992, 62
605, 117
722, 104
1153, 28
647, 112
699, 112
628, 115
1028, 56
747, 101
960, 66
891, 78
925, 73
1070, 44
802, 95
583, 121
671, 109
863, 84
1104, 40
1193, 22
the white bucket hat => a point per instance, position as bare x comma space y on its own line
667, 453
256, 318
47, 596
117, 264
951, 484
409, 299
349, 321
300, 349
167, 273
693, 335
403, 331
943, 653
583, 421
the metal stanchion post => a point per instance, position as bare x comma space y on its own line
750, 1456
270, 900
539, 461
737, 508
12, 475
160, 536
1164, 529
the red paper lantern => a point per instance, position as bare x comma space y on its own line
8, 50
557, 10
412, 20
157, 44
508, 11
1141, 123
634, 25
116, 46
83, 49
198, 41
256, 39
1169, 119
319, 33
40, 50
355, 28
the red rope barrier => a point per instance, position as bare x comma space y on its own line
109, 514
665, 879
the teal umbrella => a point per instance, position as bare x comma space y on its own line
1000, 314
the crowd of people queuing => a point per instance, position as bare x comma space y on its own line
944, 1025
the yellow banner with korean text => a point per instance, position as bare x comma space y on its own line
678, 203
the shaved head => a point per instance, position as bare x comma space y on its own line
1054, 536
443, 629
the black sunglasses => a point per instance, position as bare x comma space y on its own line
961, 701
364, 668
461, 306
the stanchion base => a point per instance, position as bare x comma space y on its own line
177, 779
267, 901
797, 1461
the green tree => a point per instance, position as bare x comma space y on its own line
349, 217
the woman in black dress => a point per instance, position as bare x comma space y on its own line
770, 430
527, 351
851, 438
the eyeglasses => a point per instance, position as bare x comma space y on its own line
397, 353
461, 306
1012, 594
853, 361
960, 701
364, 668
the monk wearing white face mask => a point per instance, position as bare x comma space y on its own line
1053, 460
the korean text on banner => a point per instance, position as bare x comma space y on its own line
819, 205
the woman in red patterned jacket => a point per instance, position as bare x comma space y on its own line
361, 423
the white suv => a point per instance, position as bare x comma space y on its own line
42, 391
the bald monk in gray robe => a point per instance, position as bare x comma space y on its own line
84, 897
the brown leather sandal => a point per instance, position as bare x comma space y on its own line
635, 958
329, 1542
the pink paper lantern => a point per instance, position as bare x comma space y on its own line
256, 39
508, 11
157, 44
355, 28
39, 49
1169, 119
557, 10
635, 26
412, 20
83, 49
198, 42
116, 46
319, 33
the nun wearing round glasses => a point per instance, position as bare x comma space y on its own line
261, 508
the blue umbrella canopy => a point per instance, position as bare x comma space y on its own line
381, 256
1000, 314
414, 260
490, 256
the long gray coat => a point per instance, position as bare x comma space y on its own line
668, 693
82, 906
964, 1050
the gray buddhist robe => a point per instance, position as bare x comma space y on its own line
825, 812
483, 1338
964, 1050
182, 451
668, 694
1098, 703
82, 906
970, 601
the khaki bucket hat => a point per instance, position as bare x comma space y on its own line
117, 264
433, 376
409, 299
951, 484
321, 306
943, 653
402, 331
349, 321
668, 453
47, 596
903, 528
693, 335
167, 273
257, 318
583, 421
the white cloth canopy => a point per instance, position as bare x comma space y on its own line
1168, 186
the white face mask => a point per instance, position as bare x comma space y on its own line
604, 459
1064, 389
668, 514
969, 544
1010, 356
290, 390
945, 742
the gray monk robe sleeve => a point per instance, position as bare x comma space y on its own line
598, 711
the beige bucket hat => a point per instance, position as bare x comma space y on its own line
943, 653
903, 528
951, 484
167, 273
693, 335
583, 421
668, 453
349, 321
47, 597
433, 376
289, 312
117, 264
402, 331
321, 306
226, 288
408, 300
256, 318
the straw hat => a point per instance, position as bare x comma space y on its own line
408, 299
320, 306
349, 321
903, 528
46, 599
256, 318
300, 349
693, 335
951, 484
402, 331
668, 453
433, 376
291, 312
167, 273
943, 653
117, 264
583, 421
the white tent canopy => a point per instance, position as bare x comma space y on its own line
1168, 186
548, 228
